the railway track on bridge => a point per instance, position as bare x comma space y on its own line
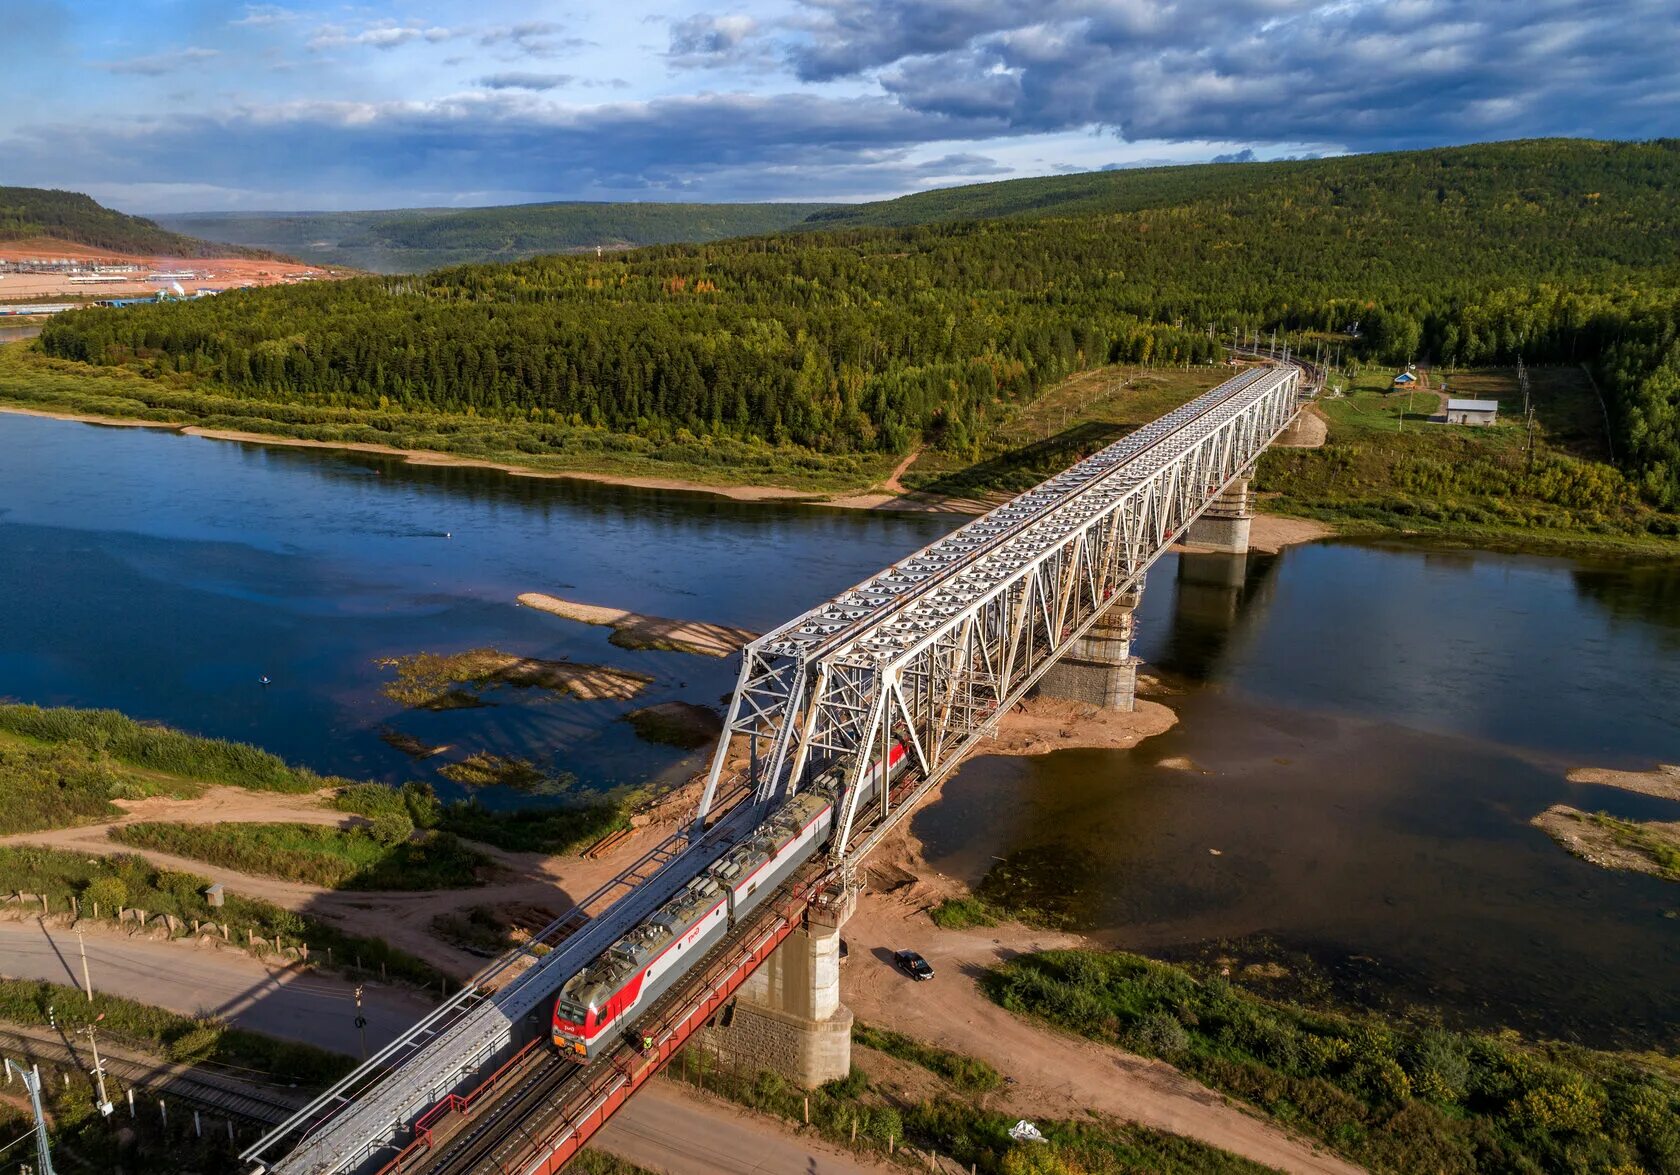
923, 657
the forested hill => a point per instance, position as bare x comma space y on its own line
78, 219
418, 239
1535, 176
868, 340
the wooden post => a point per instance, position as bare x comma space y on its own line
807, 1109
854, 1129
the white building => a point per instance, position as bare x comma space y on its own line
1472, 411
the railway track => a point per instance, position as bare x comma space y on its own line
197, 1085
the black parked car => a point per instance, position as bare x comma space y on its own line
913, 965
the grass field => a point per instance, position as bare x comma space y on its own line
1387, 468
1392, 1096
337, 858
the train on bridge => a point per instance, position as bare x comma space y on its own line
597, 1005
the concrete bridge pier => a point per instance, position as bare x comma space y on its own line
787, 1017
1099, 669
1224, 525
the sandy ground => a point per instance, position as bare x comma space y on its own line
215, 273
1576, 832
1663, 781
689, 636
1270, 533
1040, 725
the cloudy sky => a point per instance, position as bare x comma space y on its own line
171, 105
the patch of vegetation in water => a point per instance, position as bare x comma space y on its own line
483, 769
1657, 842
676, 724
1391, 1096
453, 681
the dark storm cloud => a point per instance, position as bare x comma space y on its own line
746, 146
1364, 74
517, 80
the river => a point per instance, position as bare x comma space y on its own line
1365, 731
1364, 734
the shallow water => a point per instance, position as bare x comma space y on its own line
1368, 732
1369, 729
165, 575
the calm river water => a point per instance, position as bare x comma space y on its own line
1365, 731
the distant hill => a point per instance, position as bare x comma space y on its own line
79, 219
413, 240
1545, 174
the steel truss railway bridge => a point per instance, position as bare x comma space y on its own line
926, 655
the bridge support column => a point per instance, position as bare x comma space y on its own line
787, 1017
1099, 669
1223, 526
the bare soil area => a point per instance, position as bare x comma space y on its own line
1634, 846
632, 630
1662, 781
1309, 431
211, 273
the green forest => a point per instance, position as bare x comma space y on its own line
78, 219
873, 339
412, 240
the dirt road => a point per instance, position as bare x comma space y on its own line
401, 918
1057, 1075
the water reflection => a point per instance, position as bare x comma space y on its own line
165, 575
1355, 778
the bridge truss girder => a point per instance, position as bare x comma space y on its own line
934, 671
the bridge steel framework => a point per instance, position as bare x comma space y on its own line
927, 655
930, 652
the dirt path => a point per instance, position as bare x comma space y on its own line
1057, 1076
401, 918
893, 484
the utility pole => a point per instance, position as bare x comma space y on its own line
32, 1082
361, 1021
86, 981
98, 1067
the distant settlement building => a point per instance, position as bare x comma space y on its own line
1479, 412
1405, 380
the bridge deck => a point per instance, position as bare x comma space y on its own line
927, 655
